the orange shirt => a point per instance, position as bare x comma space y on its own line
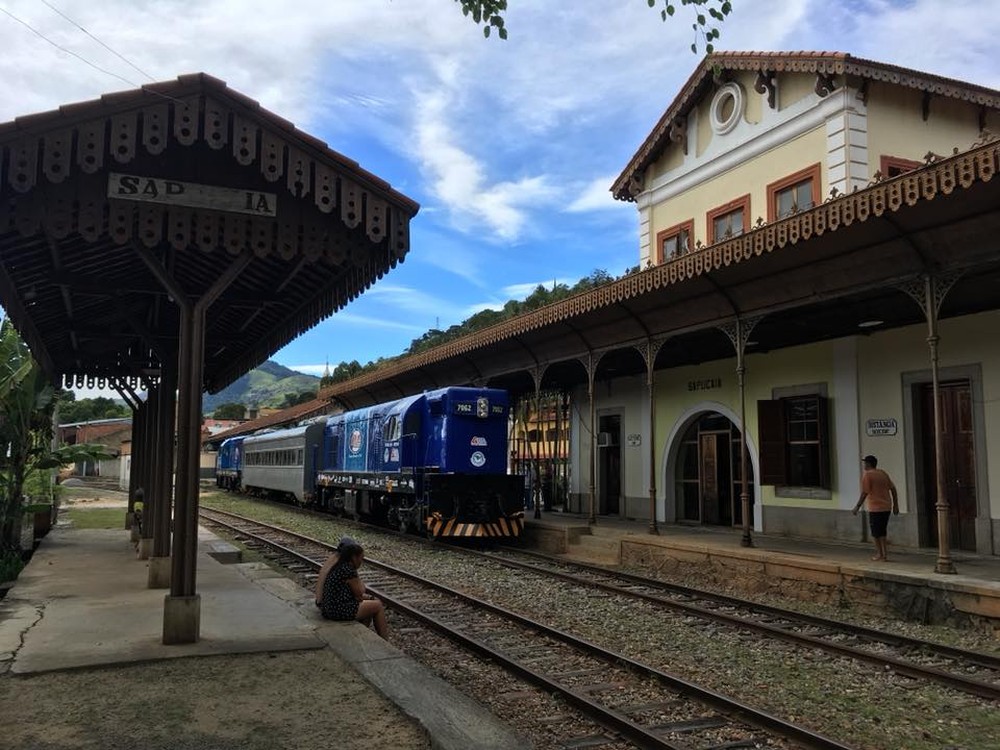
877, 486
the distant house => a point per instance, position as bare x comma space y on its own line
110, 433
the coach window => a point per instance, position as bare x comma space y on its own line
893, 166
674, 241
729, 220
794, 435
794, 193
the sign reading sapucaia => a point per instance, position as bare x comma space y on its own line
707, 384
132, 187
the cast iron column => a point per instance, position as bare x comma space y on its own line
932, 306
538, 464
747, 540
929, 292
591, 385
739, 333
649, 350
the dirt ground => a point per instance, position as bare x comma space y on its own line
85, 497
298, 700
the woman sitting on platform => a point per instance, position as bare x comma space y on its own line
340, 594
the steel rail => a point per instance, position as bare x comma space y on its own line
910, 669
980, 688
635, 732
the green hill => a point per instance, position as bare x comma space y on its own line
266, 385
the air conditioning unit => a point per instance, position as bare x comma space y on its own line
605, 440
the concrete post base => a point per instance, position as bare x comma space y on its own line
159, 572
134, 535
181, 619
144, 549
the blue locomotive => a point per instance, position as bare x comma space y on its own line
228, 464
435, 463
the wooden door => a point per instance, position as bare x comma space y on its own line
958, 462
708, 457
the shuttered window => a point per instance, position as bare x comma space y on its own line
794, 436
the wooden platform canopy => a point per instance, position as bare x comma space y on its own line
168, 239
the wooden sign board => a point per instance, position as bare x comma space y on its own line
130, 187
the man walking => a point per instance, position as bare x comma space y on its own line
880, 492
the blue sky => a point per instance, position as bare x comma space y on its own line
509, 147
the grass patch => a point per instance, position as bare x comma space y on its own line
97, 518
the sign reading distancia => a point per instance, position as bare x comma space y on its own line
879, 427
131, 187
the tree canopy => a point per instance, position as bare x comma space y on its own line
489, 14
541, 296
72, 409
229, 411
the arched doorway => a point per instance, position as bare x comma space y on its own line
706, 476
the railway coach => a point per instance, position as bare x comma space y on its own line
434, 462
283, 462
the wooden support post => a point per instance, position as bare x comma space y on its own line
182, 606
159, 561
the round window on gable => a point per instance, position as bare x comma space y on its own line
727, 107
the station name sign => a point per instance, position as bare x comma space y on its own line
879, 427
707, 384
131, 187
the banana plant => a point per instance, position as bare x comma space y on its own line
27, 402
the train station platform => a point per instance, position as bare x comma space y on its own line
829, 572
82, 603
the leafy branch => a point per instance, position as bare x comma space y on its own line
707, 15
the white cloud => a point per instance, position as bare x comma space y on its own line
459, 180
596, 196
316, 370
355, 321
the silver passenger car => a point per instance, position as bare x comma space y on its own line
284, 461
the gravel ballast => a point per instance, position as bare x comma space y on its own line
854, 702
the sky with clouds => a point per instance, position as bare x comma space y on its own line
509, 147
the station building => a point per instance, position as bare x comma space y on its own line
820, 228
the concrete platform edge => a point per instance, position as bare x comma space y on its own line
453, 720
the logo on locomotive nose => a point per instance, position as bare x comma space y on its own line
477, 459
355, 444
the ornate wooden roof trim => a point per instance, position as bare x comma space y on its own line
108, 133
942, 176
53, 172
825, 63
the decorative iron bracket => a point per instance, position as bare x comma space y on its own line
738, 331
941, 284
649, 349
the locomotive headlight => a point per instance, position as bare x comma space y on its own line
482, 407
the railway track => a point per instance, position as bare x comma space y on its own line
967, 671
642, 705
